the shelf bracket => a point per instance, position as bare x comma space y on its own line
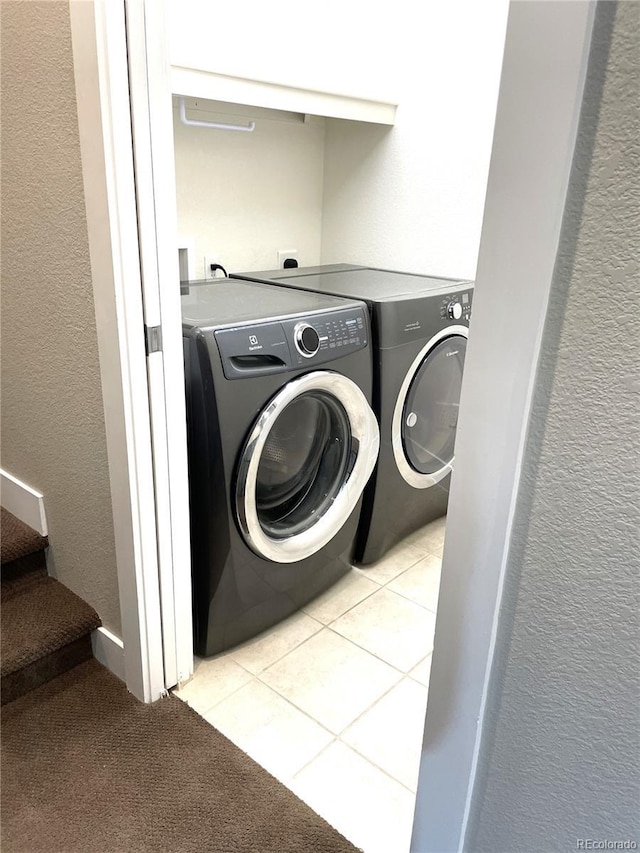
247, 128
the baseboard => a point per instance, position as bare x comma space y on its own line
24, 502
109, 651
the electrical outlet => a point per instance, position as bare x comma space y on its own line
208, 273
283, 254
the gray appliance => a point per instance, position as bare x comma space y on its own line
420, 328
281, 443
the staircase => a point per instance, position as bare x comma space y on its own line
45, 629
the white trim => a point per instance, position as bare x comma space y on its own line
104, 120
196, 83
109, 651
24, 502
152, 111
541, 92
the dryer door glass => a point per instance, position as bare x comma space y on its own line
430, 415
303, 464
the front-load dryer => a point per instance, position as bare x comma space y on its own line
419, 329
281, 443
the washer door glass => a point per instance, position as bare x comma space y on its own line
430, 415
303, 464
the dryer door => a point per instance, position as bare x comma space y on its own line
305, 465
426, 412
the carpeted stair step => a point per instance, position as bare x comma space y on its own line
45, 629
21, 548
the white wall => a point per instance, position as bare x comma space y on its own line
244, 196
411, 197
407, 197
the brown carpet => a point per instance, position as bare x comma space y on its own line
17, 539
40, 616
86, 767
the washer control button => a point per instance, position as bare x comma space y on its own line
454, 310
306, 339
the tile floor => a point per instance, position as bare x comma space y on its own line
332, 700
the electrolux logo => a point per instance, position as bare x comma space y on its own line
254, 343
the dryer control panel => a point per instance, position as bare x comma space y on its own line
288, 344
457, 306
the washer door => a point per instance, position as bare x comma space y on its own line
305, 465
426, 413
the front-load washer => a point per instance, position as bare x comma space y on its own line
281, 443
419, 332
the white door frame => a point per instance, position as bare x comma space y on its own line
135, 281
152, 120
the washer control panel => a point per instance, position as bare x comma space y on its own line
273, 347
457, 306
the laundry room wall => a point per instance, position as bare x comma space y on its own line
53, 432
408, 197
411, 197
244, 196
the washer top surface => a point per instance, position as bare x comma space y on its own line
234, 302
368, 283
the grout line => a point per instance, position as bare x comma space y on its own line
217, 702
363, 571
349, 609
413, 601
377, 766
417, 680
370, 708
377, 656
369, 652
406, 568
335, 739
274, 630
296, 707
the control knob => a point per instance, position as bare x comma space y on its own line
306, 339
454, 310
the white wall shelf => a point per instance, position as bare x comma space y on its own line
197, 83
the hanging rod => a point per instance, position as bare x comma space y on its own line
247, 128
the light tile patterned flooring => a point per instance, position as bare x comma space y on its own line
332, 700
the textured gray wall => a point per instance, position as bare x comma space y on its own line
53, 434
560, 753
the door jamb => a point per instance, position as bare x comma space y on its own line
104, 122
152, 125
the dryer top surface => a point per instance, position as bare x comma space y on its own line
233, 302
368, 283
